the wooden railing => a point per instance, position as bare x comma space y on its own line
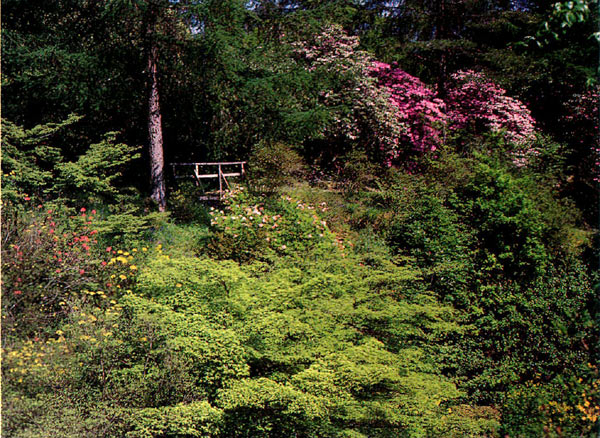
224, 171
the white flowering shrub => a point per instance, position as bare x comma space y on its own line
248, 229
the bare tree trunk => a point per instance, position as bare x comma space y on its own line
157, 162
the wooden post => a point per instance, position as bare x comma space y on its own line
220, 184
197, 175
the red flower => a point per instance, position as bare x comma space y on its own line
93, 211
18, 292
82, 209
27, 198
81, 271
109, 249
103, 263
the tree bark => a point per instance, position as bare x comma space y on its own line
157, 162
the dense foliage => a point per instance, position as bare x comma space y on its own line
411, 255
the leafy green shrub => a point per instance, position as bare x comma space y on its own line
93, 177
122, 226
28, 160
494, 240
60, 415
185, 206
273, 165
553, 311
32, 167
196, 419
435, 236
510, 227
248, 229
357, 172
564, 406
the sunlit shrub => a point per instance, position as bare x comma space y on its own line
273, 166
247, 228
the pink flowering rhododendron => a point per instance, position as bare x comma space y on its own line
474, 101
419, 110
386, 108
362, 110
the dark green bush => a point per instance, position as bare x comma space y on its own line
272, 166
185, 205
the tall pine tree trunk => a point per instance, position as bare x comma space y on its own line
157, 162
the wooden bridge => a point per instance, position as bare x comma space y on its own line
198, 172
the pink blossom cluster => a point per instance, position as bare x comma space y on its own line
372, 117
397, 113
476, 101
418, 107
473, 101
